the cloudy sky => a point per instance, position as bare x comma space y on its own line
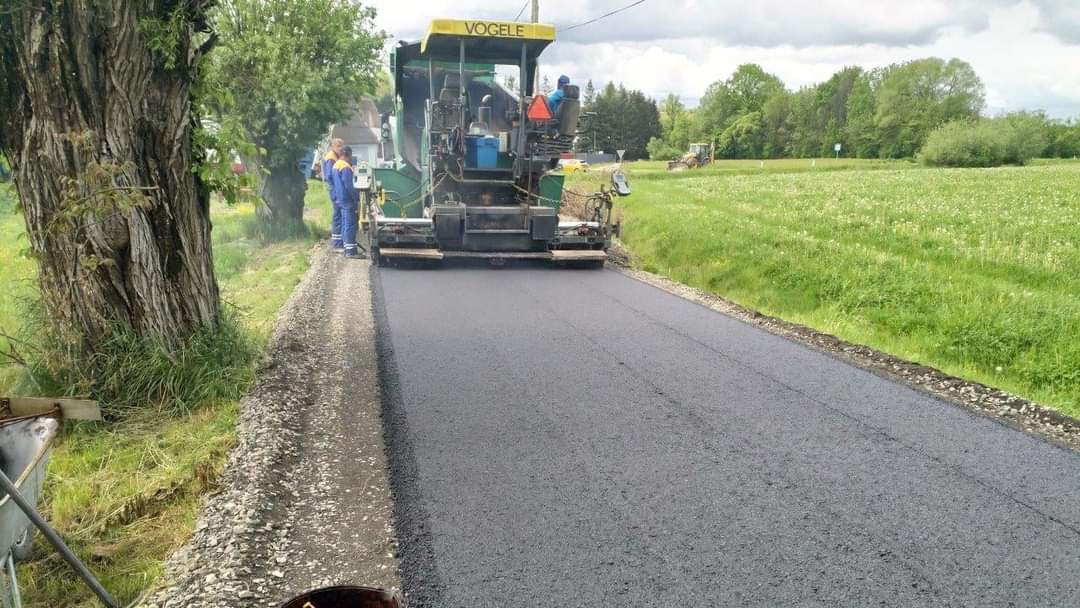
1027, 52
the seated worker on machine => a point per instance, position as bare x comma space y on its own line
555, 97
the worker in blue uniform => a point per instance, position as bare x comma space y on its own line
555, 97
347, 199
327, 168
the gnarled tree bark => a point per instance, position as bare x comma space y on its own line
282, 211
84, 70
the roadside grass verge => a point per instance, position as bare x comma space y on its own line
127, 494
16, 278
657, 170
974, 272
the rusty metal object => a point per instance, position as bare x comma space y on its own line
346, 597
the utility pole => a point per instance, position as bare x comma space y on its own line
536, 19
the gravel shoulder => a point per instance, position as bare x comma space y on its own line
305, 501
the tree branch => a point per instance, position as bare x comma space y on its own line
205, 47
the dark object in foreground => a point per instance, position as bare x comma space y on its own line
346, 597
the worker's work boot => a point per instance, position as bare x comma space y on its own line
354, 253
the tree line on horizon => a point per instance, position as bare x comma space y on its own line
887, 112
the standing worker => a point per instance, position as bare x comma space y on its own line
555, 97
347, 199
327, 168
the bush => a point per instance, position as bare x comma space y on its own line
987, 142
965, 144
1064, 140
662, 150
1028, 135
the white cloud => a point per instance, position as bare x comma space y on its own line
1024, 50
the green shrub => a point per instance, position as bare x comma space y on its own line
1064, 140
1027, 133
987, 142
966, 144
662, 150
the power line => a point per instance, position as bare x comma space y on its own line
523, 7
604, 16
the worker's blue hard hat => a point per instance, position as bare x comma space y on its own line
564, 80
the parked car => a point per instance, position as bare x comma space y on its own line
573, 165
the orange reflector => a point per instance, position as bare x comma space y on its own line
539, 110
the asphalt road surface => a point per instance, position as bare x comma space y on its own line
579, 438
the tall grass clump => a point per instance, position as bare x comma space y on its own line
129, 374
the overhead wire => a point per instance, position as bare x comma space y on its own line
522, 11
604, 16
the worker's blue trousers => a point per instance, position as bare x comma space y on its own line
349, 222
335, 225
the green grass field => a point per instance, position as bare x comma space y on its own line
126, 495
973, 271
16, 276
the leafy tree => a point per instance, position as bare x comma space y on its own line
98, 126
675, 126
745, 138
750, 86
624, 120
884, 112
1029, 135
860, 131
832, 104
286, 69
916, 97
660, 149
725, 101
776, 121
805, 125
1064, 139
588, 96
384, 93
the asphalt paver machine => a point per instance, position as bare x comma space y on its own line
470, 162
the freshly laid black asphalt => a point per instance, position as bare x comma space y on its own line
578, 438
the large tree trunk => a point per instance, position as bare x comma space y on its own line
98, 129
282, 212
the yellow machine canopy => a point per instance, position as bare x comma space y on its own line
494, 41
